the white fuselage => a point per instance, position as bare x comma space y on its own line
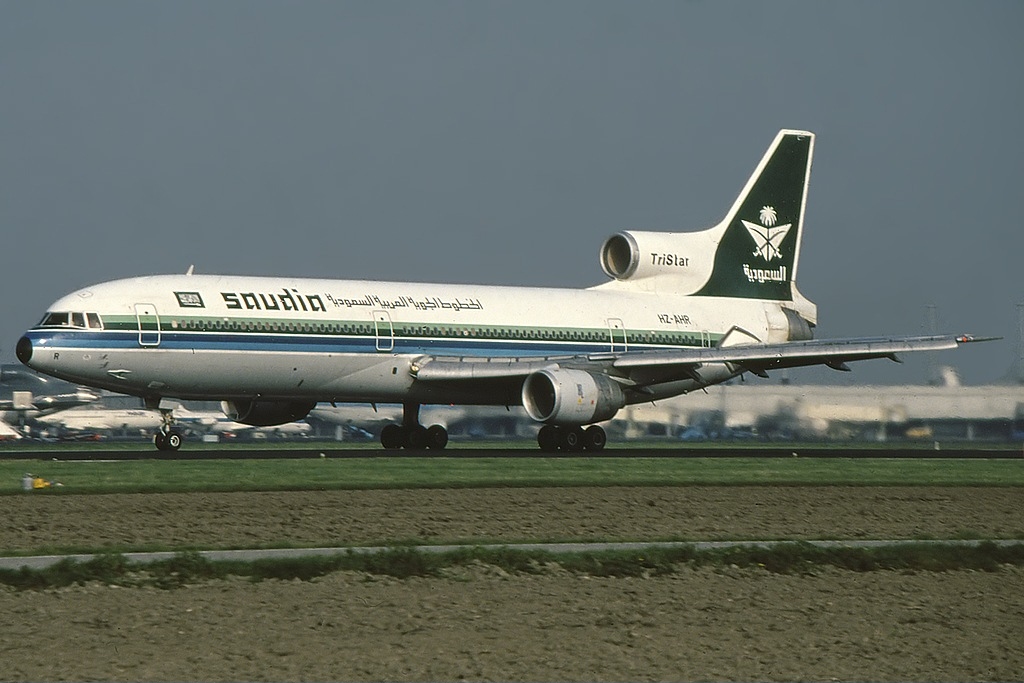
223, 337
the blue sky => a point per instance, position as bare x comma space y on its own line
501, 142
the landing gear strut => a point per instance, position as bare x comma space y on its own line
572, 439
411, 435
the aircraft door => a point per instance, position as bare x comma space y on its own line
149, 325
384, 331
617, 335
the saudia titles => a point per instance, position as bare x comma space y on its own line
767, 238
284, 301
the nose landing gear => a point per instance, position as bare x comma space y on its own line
166, 438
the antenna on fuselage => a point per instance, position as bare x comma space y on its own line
191, 269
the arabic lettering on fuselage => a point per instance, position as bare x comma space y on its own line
429, 303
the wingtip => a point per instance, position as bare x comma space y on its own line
970, 338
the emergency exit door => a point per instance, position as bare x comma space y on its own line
149, 324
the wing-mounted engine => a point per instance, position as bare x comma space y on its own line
681, 261
266, 413
572, 397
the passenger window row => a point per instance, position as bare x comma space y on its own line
90, 320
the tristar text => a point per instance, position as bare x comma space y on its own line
670, 260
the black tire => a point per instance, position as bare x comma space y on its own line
437, 437
391, 437
416, 438
594, 438
548, 438
160, 441
173, 441
572, 439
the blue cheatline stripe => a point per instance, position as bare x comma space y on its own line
282, 343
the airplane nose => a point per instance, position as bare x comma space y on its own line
24, 350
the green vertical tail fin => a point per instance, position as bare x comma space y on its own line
757, 253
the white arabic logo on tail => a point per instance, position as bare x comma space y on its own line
767, 236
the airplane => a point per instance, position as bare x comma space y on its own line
26, 395
680, 312
212, 422
126, 421
88, 419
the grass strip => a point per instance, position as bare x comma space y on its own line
787, 558
157, 476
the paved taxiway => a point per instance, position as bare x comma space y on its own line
44, 561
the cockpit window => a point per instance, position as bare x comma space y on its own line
55, 320
70, 320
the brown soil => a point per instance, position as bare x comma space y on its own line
481, 623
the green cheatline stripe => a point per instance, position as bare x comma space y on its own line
240, 325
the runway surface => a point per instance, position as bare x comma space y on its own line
329, 449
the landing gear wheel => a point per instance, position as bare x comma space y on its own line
572, 439
594, 438
416, 438
391, 437
548, 438
167, 441
437, 437
174, 441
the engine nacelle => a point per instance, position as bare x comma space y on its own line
573, 397
266, 413
687, 258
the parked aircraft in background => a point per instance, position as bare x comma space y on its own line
8, 433
682, 311
123, 422
212, 422
128, 422
26, 395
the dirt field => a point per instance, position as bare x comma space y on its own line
480, 623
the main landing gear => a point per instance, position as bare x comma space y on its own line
572, 439
411, 434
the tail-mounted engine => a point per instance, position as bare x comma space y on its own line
266, 413
684, 259
574, 397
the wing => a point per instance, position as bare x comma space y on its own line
643, 368
760, 358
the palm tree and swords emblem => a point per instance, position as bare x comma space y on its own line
767, 236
